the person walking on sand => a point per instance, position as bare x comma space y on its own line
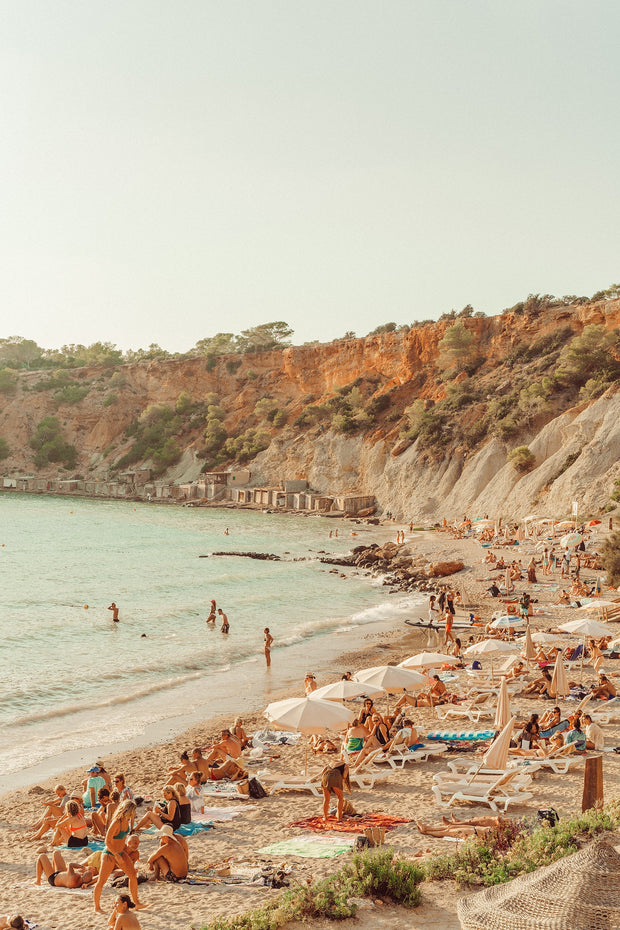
114, 610
225, 625
115, 854
448, 617
268, 642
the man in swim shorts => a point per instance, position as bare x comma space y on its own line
61, 875
114, 610
169, 861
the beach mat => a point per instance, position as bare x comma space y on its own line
351, 824
311, 847
196, 826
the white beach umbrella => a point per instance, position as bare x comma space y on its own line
308, 716
496, 756
426, 660
530, 651
559, 682
392, 678
503, 712
586, 626
304, 715
507, 622
344, 691
490, 647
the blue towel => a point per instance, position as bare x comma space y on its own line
196, 826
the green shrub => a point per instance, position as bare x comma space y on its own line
183, 404
4, 449
8, 381
594, 387
110, 399
50, 446
232, 365
280, 419
522, 459
70, 394
211, 362
457, 348
589, 356
252, 375
377, 404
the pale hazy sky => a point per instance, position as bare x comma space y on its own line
173, 169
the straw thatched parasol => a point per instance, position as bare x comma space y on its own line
579, 892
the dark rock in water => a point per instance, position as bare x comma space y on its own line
203, 556
264, 556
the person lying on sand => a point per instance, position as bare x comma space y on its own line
169, 861
438, 694
61, 875
322, 744
455, 827
539, 686
122, 916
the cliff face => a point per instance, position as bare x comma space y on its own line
575, 446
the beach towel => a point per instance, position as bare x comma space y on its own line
92, 846
311, 847
222, 789
558, 728
356, 824
210, 877
196, 826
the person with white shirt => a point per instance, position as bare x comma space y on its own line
194, 793
595, 738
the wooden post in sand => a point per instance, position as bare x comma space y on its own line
592, 784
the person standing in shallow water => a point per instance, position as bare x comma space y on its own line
114, 610
268, 642
225, 625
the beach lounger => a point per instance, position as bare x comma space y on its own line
561, 759
460, 768
311, 782
607, 712
397, 758
364, 776
496, 793
473, 709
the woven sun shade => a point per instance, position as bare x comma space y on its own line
579, 892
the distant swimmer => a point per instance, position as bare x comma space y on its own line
226, 532
268, 642
225, 624
212, 612
114, 610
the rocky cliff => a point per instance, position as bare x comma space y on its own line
391, 415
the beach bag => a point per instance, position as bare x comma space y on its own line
548, 815
256, 790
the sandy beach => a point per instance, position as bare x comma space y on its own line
258, 823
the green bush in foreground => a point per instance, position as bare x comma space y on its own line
374, 874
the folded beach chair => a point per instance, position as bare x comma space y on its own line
496, 793
460, 769
397, 758
477, 707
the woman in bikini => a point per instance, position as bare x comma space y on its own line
161, 814
72, 828
185, 805
115, 853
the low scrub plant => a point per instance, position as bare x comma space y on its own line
369, 874
522, 459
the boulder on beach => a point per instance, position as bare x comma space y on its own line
439, 569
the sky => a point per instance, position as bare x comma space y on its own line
170, 170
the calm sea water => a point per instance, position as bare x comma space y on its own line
70, 678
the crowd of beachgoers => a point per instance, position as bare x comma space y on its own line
500, 710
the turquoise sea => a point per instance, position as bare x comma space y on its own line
72, 681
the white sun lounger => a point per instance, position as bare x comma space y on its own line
477, 707
495, 793
397, 758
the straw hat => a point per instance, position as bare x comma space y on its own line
578, 891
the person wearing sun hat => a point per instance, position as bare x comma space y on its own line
94, 782
169, 861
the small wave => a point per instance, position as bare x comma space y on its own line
118, 699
